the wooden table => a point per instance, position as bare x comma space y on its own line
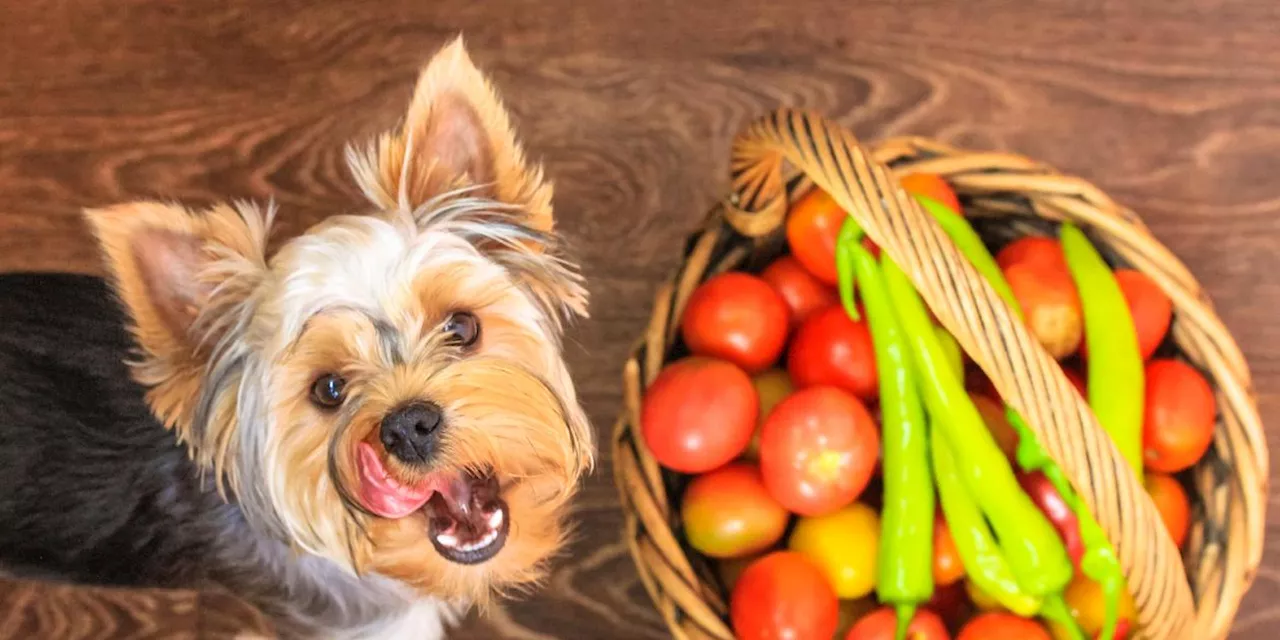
1172, 106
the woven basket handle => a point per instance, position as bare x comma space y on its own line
1026, 376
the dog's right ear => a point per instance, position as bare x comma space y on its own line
180, 274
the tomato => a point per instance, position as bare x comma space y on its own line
1002, 626
933, 187
1088, 605
818, 449
851, 611
803, 293
771, 387
844, 545
1046, 496
813, 223
948, 568
833, 349
727, 512
1050, 306
1151, 309
883, 623
993, 414
737, 317
951, 603
730, 569
698, 414
1033, 250
1172, 503
783, 596
1177, 427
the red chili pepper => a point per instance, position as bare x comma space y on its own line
1051, 503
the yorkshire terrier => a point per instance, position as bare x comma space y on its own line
362, 430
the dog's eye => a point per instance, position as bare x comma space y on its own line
329, 390
463, 328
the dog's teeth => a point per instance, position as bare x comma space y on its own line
495, 520
447, 539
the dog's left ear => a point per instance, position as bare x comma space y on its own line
456, 134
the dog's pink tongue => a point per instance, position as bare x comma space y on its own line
381, 494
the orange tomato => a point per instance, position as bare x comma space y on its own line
737, 317
1088, 605
1180, 411
933, 187
948, 568
1172, 503
1002, 626
803, 293
1050, 306
812, 226
728, 513
1034, 250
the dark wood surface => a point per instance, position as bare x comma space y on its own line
1172, 106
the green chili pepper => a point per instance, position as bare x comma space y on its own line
971, 246
1099, 563
974, 542
1035, 553
905, 565
1116, 385
954, 354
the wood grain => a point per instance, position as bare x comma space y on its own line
1171, 106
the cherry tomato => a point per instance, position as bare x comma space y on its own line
803, 293
771, 387
1172, 503
1177, 427
882, 624
844, 545
698, 414
832, 349
1151, 309
812, 226
933, 187
1046, 496
783, 596
737, 317
727, 512
1050, 306
993, 414
1002, 626
818, 450
948, 568
1088, 605
1033, 250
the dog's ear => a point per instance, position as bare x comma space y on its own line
182, 277
456, 134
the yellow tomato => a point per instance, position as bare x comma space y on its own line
771, 387
844, 544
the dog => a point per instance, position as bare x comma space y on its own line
363, 430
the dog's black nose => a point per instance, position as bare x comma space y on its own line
411, 432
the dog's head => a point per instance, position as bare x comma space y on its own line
386, 390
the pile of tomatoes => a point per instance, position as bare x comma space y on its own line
773, 416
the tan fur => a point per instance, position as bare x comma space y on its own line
200, 285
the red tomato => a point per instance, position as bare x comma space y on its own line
698, 414
737, 317
1172, 503
1046, 497
1177, 428
1033, 250
728, 513
832, 349
818, 450
1002, 626
933, 187
1151, 309
803, 293
882, 624
783, 596
812, 226
948, 568
1050, 306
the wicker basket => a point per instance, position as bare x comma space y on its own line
1192, 596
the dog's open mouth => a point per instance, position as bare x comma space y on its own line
467, 520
